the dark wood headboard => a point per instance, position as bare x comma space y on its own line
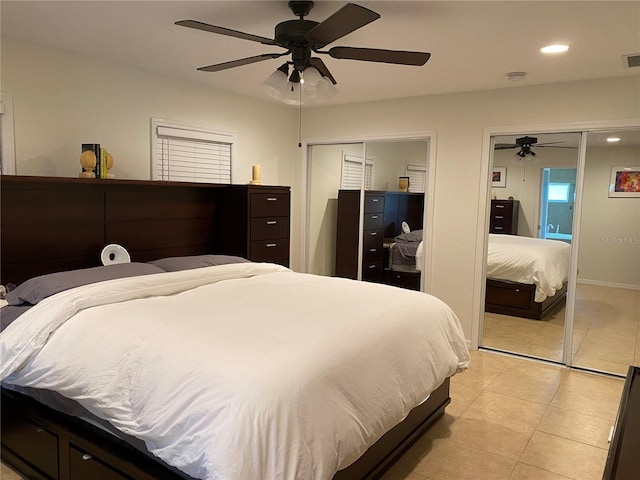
53, 224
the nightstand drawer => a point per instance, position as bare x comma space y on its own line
263, 228
502, 220
269, 204
499, 208
409, 280
270, 250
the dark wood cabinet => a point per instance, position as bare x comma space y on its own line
254, 223
383, 215
504, 216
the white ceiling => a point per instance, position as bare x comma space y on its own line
474, 44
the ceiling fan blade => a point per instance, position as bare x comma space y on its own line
225, 31
553, 146
319, 65
346, 20
243, 61
504, 146
377, 55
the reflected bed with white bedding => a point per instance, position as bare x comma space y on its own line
239, 371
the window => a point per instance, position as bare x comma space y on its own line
352, 173
559, 192
417, 178
190, 153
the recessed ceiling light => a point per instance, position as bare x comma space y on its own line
613, 139
555, 48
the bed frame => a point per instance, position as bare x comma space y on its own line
517, 299
56, 224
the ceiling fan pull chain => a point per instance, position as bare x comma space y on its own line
300, 116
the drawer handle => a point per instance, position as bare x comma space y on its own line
374, 217
499, 216
373, 234
271, 199
499, 206
373, 249
39, 429
374, 199
499, 228
269, 245
372, 266
271, 222
86, 457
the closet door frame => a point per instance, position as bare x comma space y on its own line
484, 204
426, 136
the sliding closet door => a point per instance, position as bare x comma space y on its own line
533, 196
330, 168
606, 324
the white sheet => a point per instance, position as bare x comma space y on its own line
243, 371
544, 263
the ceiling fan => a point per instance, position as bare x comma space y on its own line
302, 38
525, 144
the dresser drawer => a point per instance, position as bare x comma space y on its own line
409, 280
84, 466
373, 221
269, 204
29, 440
270, 250
372, 238
372, 253
263, 228
500, 208
372, 272
373, 203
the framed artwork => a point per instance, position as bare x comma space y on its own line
499, 177
625, 182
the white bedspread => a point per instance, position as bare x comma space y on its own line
544, 263
244, 371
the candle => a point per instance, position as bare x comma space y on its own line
255, 174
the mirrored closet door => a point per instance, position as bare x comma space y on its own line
366, 209
530, 224
606, 323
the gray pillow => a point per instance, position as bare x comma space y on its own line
174, 264
9, 313
38, 288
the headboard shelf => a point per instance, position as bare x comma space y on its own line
50, 224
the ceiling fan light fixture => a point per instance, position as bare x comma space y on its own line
276, 84
613, 139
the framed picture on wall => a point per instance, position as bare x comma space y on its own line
625, 182
499, 177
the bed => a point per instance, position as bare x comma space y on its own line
526, 277
251, 413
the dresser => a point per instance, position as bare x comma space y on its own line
383, 215
504, 216
254, 223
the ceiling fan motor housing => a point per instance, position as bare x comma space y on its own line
290, 34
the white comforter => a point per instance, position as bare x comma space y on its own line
243, 371
544, 263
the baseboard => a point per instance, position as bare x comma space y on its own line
582, 281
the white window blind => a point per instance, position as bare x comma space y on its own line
352, 173
417, 178
190, 154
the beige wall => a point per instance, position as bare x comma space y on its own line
62, 100
610, 228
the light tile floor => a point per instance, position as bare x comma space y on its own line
606, 331
512, 419
517, 419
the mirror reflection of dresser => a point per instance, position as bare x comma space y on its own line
383, 215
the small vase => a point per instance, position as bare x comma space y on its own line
403, 184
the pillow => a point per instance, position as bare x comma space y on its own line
414, 236
9, 313
174, 264
38, 288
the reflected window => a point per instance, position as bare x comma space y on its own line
417, 178
352, 173
559, 192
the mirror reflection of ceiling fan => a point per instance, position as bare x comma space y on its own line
302, 38
526, 144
